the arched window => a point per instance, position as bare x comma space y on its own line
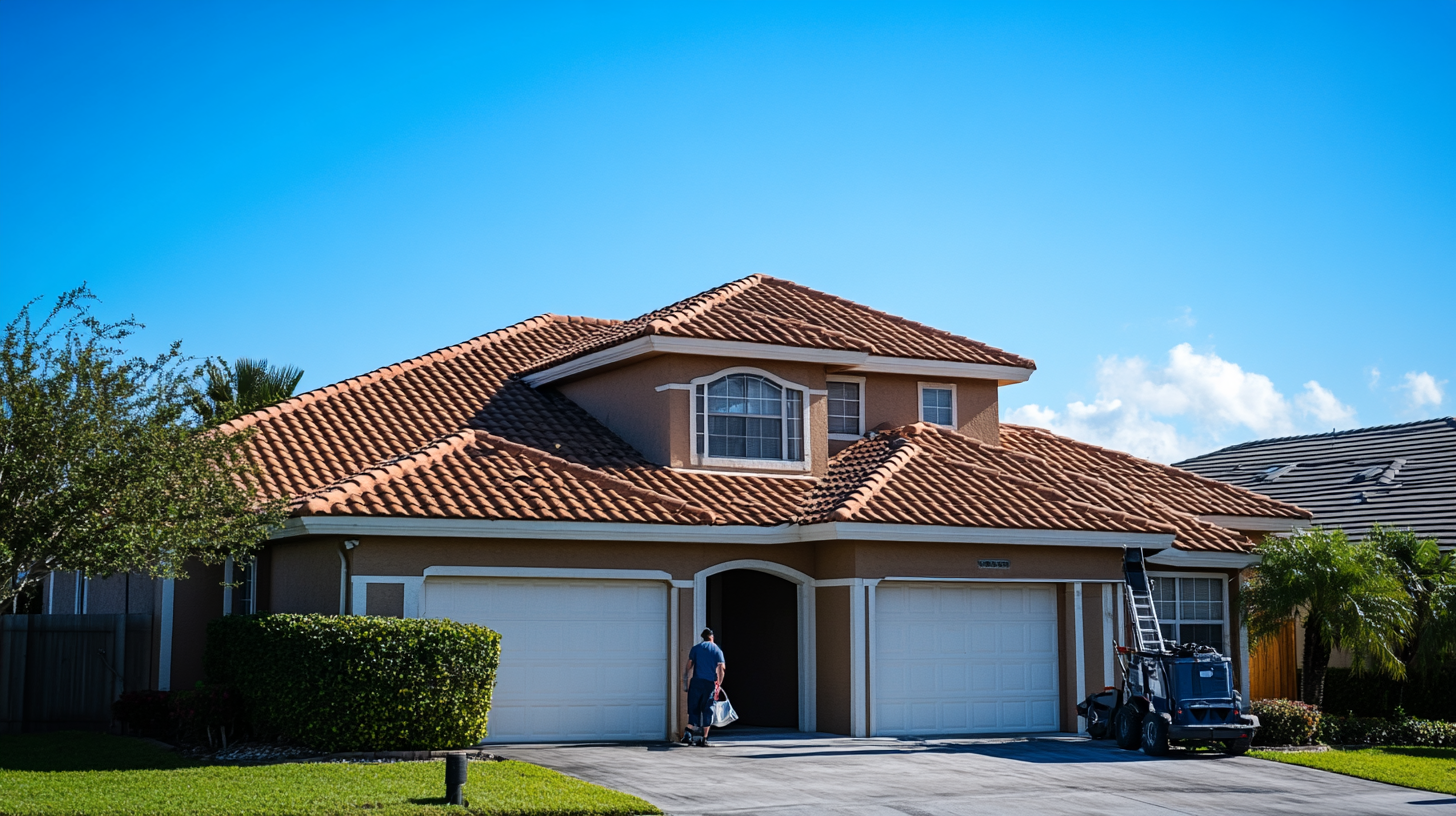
745, 416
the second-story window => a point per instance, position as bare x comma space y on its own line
844, 408
745, 416
937, 405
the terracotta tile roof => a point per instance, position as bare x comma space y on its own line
454, 434
1192, 533
1175, 486
475, 475
761, 309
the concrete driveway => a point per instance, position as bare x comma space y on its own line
802, 774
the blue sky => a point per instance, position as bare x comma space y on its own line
1185, 212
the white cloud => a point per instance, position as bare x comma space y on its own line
1318, 402
1374, 377
1135, 402
1422, 389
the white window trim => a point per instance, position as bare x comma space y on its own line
861, 382
920, 402
737, 464
1223, 582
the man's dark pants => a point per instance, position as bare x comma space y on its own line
700, 702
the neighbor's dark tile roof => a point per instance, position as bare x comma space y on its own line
1396, 475
454, 434
1177, 487
761, 309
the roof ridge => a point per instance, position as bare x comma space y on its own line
1176, 471
356, 484
904, 321
901, 451
692, 307
1449, 421
592, 475
393, 370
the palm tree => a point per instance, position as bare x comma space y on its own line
243, 387
1429, 578
1344, 594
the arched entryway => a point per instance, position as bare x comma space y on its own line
755, 617
763, 615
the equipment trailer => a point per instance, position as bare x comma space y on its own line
1170, 694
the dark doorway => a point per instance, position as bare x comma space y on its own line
755, 617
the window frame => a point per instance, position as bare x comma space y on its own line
920, 389
860, 381
739, 463
1223, 581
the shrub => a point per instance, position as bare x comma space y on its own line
1285, 722
1398, 730
208, 713
148, 713
358, 683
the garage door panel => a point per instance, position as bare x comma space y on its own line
579, 659
960, 658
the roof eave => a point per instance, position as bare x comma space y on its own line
845, 360
354, 526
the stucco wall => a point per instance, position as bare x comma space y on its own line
195, 602
832, 659
303, 576
894, 400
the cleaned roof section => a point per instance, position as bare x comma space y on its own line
1400, 475
761, 309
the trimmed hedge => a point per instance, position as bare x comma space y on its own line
1285, 722
358, 683
1400, 730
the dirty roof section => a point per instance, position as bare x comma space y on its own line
1397, 475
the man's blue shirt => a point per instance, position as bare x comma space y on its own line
706, 656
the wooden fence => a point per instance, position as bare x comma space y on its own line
1271, 667
64, 671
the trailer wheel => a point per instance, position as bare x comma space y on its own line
1237, 747
1126, 726
1155, 734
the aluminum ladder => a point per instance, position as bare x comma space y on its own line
1145, 629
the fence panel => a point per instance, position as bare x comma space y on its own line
64, 671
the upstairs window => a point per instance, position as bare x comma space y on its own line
746, 416
846, 409
937, 404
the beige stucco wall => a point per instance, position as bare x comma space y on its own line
658, 424
893, 400
304, 576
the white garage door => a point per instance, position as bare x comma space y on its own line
580, 660
965, 658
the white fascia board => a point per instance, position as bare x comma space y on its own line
727, 534
853, 361
944, 368
1270, 524
868, 531
657, 344
1218, 560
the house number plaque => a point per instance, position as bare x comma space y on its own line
993, 563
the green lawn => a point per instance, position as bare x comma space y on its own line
1432, 769
75, 773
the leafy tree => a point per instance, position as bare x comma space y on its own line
102, 469
1429, 578
243, 387
1343, 594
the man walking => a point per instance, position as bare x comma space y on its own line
704, 672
